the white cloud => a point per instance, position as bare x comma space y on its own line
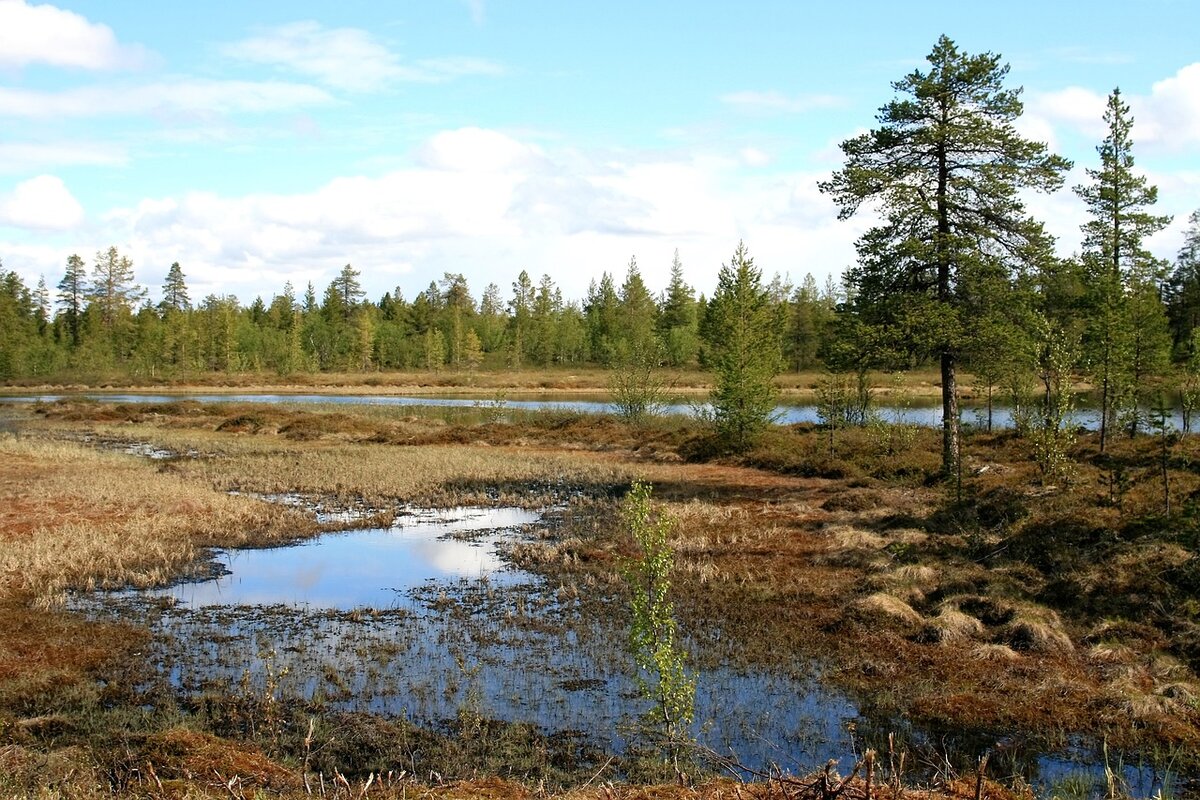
1081, 109
27, 156
753, 157
1166, 118
182, 95
44, 34
347, 58
474, 150
1171, 113
41, 203
778, 102
486, 204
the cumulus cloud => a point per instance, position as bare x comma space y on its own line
778, 102
41, 203
350, 59
44, 34
1166, 118
182, 95
486, 204
1171, 112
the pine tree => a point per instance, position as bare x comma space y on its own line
349, 289
945, 167
743, 344
72, 293
112, 290
175, 293
1184, 288
521, 307
1126, 335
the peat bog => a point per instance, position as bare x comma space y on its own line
434, 629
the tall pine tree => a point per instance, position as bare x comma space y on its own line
945, 167
1126, 334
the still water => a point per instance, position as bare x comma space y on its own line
923, 415
426, 619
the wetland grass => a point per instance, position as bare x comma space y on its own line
1061, 611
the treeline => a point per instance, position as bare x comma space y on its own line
101, 322
956, 274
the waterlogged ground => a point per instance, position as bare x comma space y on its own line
425, 620
420, 615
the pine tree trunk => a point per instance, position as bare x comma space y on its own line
950, 431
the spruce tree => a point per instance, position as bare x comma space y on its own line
743, 347
636, 316
945, 168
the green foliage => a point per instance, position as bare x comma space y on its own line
1127, 336
1183, 289
653, 635
743, 347
1053, 437
638, 390
945, 167
843, 401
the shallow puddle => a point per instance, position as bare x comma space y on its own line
363, 569
424, 619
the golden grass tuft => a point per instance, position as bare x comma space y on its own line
882, 605
952, 625
1037, 629
995, 653
849, 537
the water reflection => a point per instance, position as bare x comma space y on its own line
921, 415
362, 569
422, 618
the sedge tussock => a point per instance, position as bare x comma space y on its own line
996, 653
848, 537
881, 604
953, 625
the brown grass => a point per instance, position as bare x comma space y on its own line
484, 383
938, 612
77, 518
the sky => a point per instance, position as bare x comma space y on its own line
262, 142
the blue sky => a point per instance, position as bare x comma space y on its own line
261, 142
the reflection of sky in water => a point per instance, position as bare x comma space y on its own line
926, 413
530, 655
363, 569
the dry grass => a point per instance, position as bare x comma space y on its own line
485, 382
930, 618
76, 518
